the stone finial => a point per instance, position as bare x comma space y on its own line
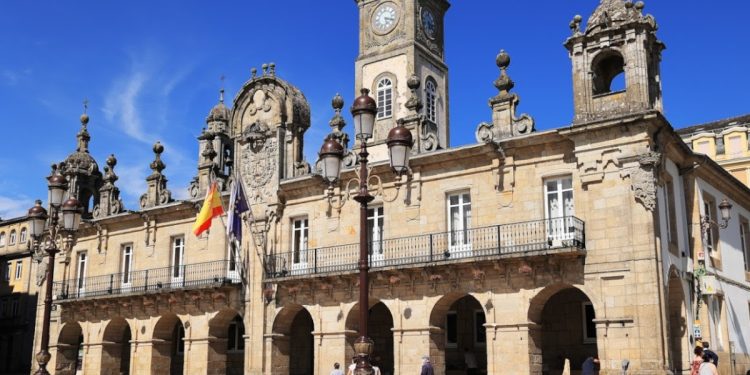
157, 165
337, 122
208, 152
272, 69
640, 5
83, 135
264, 67
253, 73
575, 25
503, 83
109, 195
157, 193
414, 103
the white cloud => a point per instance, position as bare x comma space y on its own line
12, 207
121, 105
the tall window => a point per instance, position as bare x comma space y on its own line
712, 236
671, 214
6, 271
589, 327
735, 145
178, 338
480, 332
12, 237
127, 263
81, 275
744, 238
459, 218
703, 147
19, 269
385, 98
24, 233
451, 329
559, 207
299, 240
375, 231
178, 257
430, 95
2, 238
716, 306
235, 340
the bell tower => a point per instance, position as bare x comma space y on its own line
399, 39
619, 44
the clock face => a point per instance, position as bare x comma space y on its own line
385, 18
428, 23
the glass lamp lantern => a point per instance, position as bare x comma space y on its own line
399, 144
725, 207
57, 185
331, 153
71, 213
364, 110
37, 219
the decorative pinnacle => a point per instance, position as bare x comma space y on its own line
265, 69
109, 170
221, 91
575, 24
337, 122
414, 103
253, 72
503, 83
85, 116
272, 69
640, 5
112, 161
157, 165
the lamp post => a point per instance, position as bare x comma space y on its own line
399, 144
706, 222
46, 231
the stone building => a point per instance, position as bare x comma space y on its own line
525, 249
18, 296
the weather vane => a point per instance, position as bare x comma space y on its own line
85, 104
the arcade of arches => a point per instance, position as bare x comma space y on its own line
456, 331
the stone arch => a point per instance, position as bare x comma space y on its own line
168, 345
606, 67
457, 330
561, 318
226, 355
380, 330
679, 345
292, 348
116, 347
69, 347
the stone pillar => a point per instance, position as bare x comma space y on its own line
93, 360
203, 355
277, 354
410, 344
520, 341
330, 347
150, 356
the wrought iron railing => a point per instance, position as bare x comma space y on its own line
506, 239
208, 274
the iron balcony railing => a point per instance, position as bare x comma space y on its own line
198, 275
506, 239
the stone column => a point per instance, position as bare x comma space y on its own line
520, 342
200, 355
277, 354
410, 344
330, 347
150, 354
93, 360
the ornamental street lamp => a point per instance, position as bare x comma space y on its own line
46, 232
706, 222
331, 154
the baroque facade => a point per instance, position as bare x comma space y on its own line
525, 250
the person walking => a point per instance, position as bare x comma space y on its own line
427, 366
695, 364
707, 368
337, 369
471, 362
589, 365
714, 357
352, 366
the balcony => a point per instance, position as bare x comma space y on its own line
530, 238
190, 276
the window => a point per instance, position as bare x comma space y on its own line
178, 257
480, 332
735, 145
12, 239
716, 306
375, 233
235, 339
702, 147
608, 73
14, 307
459, 219
712, 236
19, 269
6, 271
451, 329
178, 337
744, 233
81, 275
589, 327
24, 233
2, 238
79, 356
559, 208
127, 263
430, 94
299, 241
385, 98
671, 214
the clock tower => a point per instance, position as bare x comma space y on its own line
399, 39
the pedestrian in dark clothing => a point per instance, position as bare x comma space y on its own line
589, 365
427, 366
711, 354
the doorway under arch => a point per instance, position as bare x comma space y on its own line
168, 356
380, 330
227, 355
567, 329
293, 350
678, 329
462, 341
116, 347
69, 358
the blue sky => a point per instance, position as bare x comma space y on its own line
151, 72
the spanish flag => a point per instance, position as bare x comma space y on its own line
211, 208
